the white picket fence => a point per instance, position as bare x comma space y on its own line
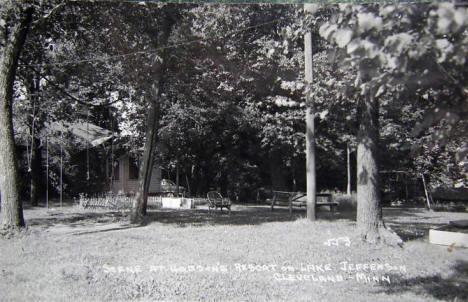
109, 201
121, 202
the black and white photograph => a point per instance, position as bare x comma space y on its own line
208, 151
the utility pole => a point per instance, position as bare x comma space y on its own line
310, 8
348, 169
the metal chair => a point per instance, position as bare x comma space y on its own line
216, 200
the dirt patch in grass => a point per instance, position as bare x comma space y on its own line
253, 254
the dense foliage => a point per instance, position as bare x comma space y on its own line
232, 105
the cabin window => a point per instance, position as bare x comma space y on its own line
133, 169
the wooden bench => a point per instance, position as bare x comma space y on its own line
299, 199
216, 200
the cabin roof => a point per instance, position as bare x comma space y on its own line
87, 132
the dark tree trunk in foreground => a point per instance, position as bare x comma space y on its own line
12, 208
152, 126
311, 176
369, 218
141, 199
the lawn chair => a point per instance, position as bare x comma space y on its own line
216, 200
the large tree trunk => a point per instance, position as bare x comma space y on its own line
369, 215
141, 199
12, 208
311, 176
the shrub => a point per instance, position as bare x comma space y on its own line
346, 202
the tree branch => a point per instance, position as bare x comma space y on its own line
82, 102
52, 11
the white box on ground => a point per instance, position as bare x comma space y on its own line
177, 203
443, 237
187, 203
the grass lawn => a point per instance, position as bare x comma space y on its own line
70, 254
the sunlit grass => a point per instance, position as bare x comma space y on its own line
205, 261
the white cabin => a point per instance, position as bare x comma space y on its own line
125, 178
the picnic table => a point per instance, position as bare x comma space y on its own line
299, 199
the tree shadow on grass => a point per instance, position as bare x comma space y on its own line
392, 212
240, 215
410, 224
93, 221
200, 217
412, 230
452, 288
76, 220
411, 227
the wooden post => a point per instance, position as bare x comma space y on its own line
426, 191
290, 204
87, 147
310, 127
61, 168
406, 188
189, 192
47, 171
177, 178
348, 169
